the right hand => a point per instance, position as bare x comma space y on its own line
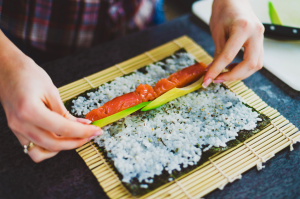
233, 25
35, 111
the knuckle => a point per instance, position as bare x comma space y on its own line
228, 56
252, 65
64, 131
259, 66
242, 23
260, 29
25, 111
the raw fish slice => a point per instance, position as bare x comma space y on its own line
163, 86
121, 103
173, 94
180, 78
188, 75
96, 114
146, 92
143, 93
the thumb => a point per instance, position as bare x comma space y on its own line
219, 39
55, 104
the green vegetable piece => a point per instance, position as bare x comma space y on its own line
273, 15
173, 94
115, 117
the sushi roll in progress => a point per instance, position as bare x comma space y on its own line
145, 92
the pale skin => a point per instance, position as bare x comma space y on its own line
34, 109
35, 112
234, 25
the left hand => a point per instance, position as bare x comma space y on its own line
234, 25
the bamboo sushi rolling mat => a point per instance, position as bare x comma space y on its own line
222, 168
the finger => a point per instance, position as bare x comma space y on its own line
55, 104
56, 123
51, 141
75, 119
261, 59
83, 121
232, 47
253, 50
259, 65
37, 153
250, 64
231, 66
219, 39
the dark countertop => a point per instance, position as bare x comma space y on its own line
67, 176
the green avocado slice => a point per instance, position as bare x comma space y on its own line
115, 117
173, 94
161, 100
273, 15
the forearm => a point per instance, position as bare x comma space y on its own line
12, 61
8, 51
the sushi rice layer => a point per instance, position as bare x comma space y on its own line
172, 136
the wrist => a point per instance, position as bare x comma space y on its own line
13, 63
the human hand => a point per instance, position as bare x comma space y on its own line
234, 25
35, 111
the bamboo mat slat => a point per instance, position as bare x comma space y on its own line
222, 168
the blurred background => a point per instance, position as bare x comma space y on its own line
176, 8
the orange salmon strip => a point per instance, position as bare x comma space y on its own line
180, 78
145, 93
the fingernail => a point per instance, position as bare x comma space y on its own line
95, 135
98, 133
85, 121
207, 82
95, 128
92, 137
218, 81
209, 65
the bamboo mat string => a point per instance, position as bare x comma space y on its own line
259, 165
227, 177
183, 189
178, 44
120, 69
293, 141
88, 81
150, 56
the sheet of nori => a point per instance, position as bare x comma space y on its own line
134, 186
